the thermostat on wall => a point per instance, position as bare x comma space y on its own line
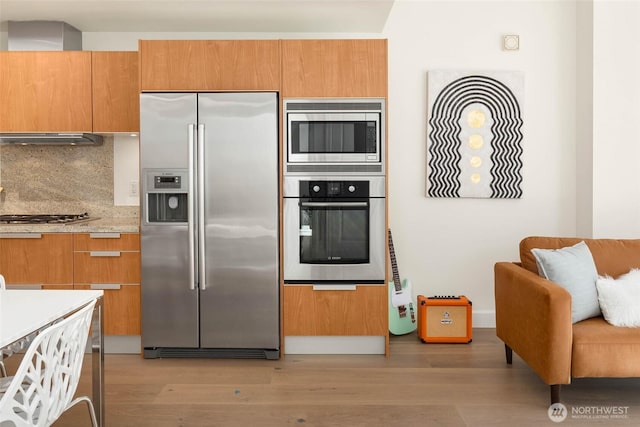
511, 42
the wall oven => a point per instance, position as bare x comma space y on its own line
334, 229
334, 135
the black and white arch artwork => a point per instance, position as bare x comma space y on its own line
474, 139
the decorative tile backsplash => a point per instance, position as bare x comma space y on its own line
59, 180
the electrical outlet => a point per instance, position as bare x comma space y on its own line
133, 188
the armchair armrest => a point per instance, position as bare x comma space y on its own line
533, 318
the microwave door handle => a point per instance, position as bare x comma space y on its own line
192, 207
333, 204
202, 257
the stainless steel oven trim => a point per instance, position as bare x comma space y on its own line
291, 186
374, 271
314, 273
334, 204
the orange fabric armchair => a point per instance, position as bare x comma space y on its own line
533, 317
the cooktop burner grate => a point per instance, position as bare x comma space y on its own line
43, 218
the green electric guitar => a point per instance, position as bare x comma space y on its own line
402, 319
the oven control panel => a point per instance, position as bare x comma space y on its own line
327, 189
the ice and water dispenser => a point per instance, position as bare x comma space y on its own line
166, 196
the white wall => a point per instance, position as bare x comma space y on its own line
584, 119
616, 114
449, 246
126, 170
129, 41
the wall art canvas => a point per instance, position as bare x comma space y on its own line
474, 134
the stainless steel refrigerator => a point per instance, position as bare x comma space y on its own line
209, 226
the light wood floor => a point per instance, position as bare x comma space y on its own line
418, 385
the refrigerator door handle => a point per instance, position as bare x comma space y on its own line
192, 207
202, 267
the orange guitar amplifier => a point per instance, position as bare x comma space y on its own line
444, 319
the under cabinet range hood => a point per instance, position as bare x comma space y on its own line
51, 138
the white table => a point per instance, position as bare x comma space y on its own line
25, 311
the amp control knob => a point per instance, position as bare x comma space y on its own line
316, 188
352, 188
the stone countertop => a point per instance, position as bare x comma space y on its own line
100, 225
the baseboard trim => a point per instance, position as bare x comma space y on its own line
334, 344
122, 344
484, 319
131, 344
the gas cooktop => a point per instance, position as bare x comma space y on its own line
44, 218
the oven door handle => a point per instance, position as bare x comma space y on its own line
333, 204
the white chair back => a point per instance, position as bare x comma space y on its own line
48, 375
3, 370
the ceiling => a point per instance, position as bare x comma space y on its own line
303, 16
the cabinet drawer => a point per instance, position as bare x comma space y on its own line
106, 267
106, 242
36, 258
361, 310
38, 286
121, 309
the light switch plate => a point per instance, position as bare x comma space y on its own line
133, 188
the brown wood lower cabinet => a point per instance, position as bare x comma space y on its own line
107, 261
361, 311
106, 267
36, 258
121, 307
111, 262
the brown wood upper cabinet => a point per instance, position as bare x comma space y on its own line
45, 91
334, 68
194, 65
116, 91
69, 91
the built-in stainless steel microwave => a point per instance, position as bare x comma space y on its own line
334, 135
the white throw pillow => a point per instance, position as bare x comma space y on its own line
620, 298
573, 269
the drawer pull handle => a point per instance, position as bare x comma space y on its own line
104, 235
25, 287
21, 236
104, 286
104, 253
336, 287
